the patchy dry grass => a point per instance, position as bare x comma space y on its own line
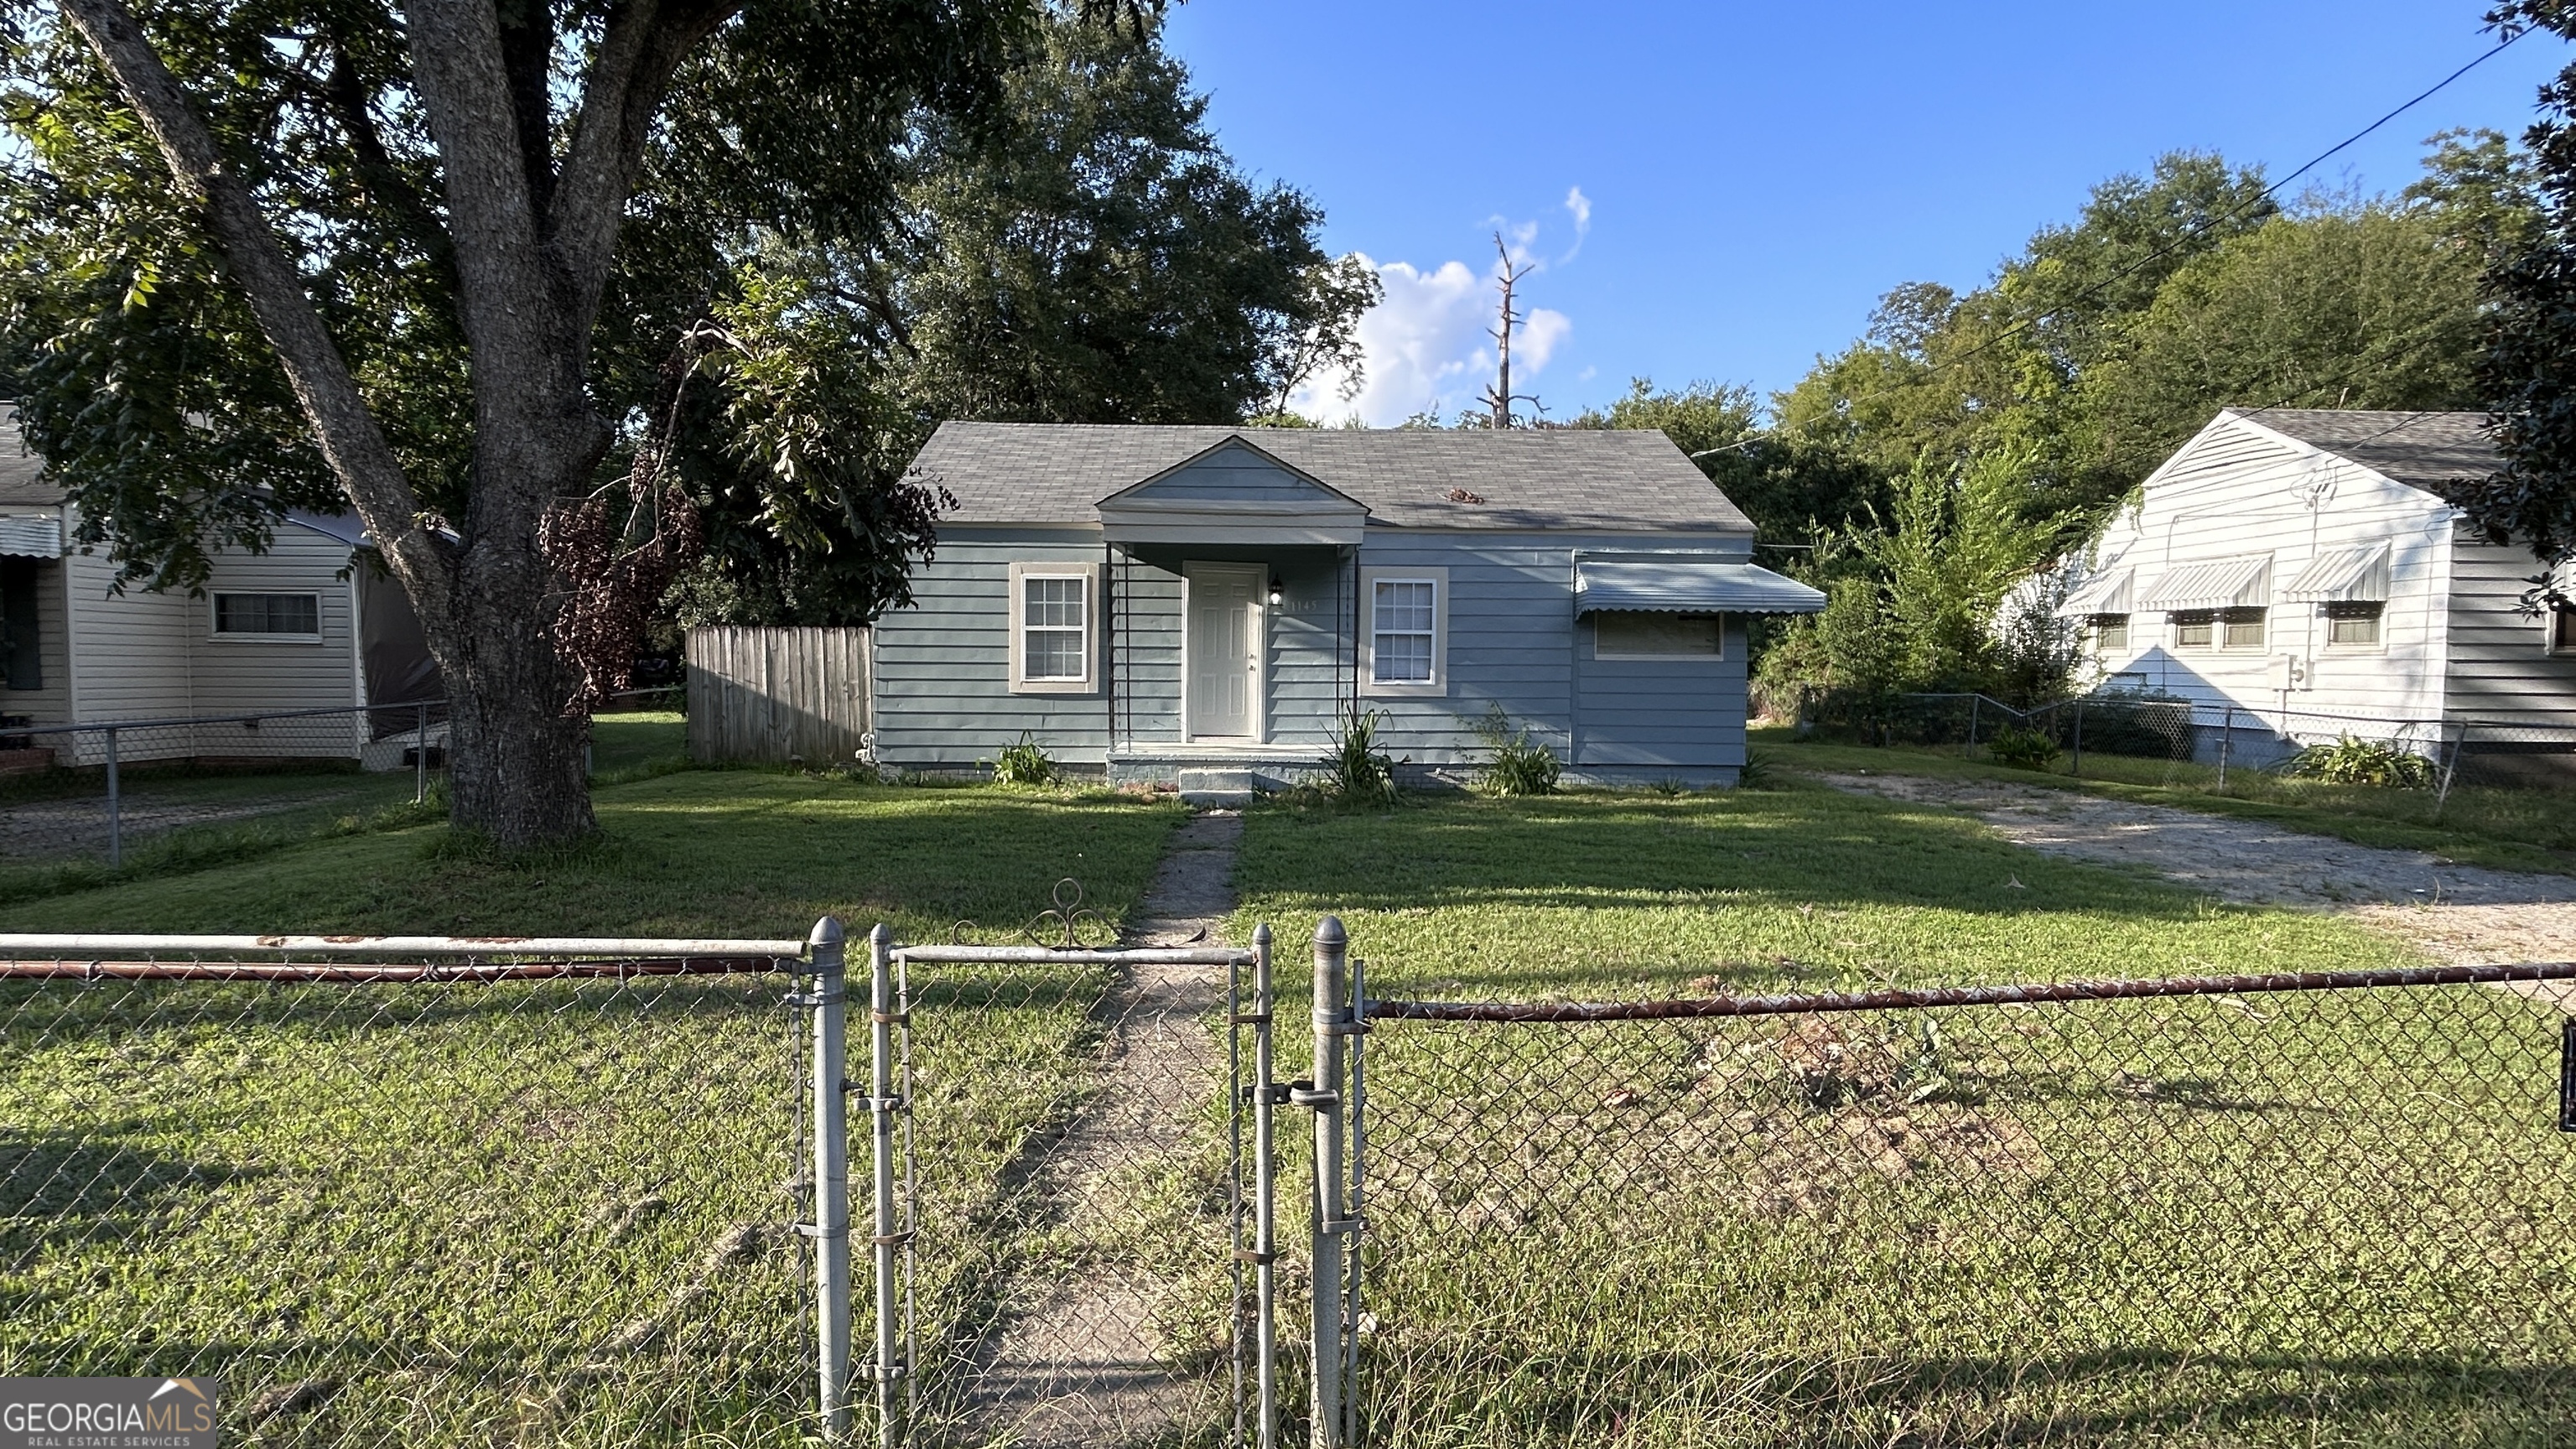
2217, 1221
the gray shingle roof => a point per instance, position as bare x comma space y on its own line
1553, 479
2431, 451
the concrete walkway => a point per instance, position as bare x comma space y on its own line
1079, 1361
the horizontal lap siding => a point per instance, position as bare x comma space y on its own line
1149, 676
943, 688
1511, 631
247, 675
130, 656
2500, 668
2237, 492
1310, 652
1678, 713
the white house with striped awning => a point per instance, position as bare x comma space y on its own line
2313, 562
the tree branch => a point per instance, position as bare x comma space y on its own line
351, 441
640, 49
344, 97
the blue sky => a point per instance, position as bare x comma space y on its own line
1755, 176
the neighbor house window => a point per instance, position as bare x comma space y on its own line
251, 615
2195, 628
2562, 630
1054, 616
1622, 635
2355, 625
2240, 629
2110, 632
1404, 631
21, 654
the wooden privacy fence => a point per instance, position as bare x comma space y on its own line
778, 695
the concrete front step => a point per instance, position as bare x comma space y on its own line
1216, 786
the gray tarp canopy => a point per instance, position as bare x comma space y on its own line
1688, 586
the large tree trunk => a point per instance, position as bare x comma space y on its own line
533, 239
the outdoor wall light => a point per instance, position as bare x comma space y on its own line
1275, 590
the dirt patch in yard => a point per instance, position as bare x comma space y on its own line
2454, 913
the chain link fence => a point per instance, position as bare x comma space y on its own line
423, 1192
2474, 754
2335, 1209
107, 792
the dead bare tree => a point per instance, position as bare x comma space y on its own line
1499, 396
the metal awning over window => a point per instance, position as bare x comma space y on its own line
31, 537
2343, 576
1679, 585
2242, 582
2104, 593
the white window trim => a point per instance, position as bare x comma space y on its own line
214, 618
2093, 634
2218, 630
2327, 642
1015, 605
1437, 686
1725, 625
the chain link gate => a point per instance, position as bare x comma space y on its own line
1071, 1213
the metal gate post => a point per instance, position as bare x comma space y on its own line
831, 1227
884, 1012
117, 826
1332, 1024
1265, 1214
2226, 743
420, 756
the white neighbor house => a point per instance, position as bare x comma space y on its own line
2311, 563
294, 628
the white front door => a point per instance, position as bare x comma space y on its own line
1224, 650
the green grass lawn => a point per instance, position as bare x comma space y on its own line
2242, 1221
2533, 830
517, 1214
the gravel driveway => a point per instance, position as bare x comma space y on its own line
2457, 913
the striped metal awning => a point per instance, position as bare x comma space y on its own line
2241, 582
31, 536
2104, 593
1681, 585
2343, 576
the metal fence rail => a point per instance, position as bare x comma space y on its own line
100, 791
416, 1190
2317, 1207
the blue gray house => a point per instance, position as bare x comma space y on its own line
1203, 605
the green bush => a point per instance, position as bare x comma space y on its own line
2021, 748
2355, 761
1518, 766
1025, 763
1361, 773
1761, 771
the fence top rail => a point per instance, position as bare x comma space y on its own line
98, 726
271, 947
1953, 996
359, 973
1109, 955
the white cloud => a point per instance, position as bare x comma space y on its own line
1578, 206
1429, 345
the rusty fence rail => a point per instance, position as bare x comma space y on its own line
2317, 1207
428, 1190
